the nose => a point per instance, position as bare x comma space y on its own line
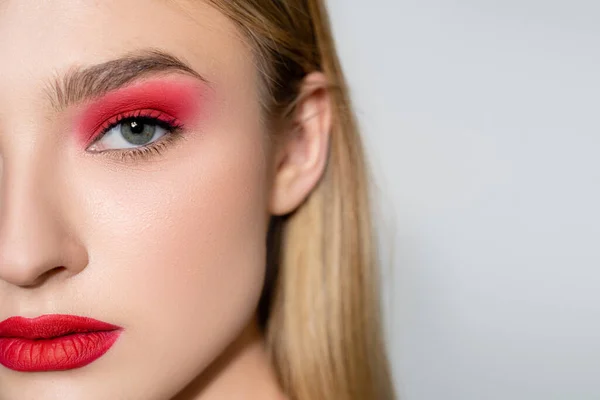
35, 242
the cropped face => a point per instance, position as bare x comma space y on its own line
134, 196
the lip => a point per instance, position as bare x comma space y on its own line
54, 342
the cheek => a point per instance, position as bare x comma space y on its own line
182, 243
197, 233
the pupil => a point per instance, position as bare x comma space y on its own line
136, 127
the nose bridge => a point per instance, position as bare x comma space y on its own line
34, 238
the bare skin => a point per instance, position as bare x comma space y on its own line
170, 247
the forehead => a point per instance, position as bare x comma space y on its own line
42, 38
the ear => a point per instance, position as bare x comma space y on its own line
302, 154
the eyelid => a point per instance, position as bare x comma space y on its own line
173, 134
108, 124
180, 98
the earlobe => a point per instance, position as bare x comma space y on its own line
304, 151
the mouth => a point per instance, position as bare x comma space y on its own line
54, 342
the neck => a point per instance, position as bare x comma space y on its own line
243, 371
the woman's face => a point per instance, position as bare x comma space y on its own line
167, 245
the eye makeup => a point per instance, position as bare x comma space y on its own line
173, 103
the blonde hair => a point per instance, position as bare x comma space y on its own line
321, 305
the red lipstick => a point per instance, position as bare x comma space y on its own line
54, 342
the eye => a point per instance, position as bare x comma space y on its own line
131, 133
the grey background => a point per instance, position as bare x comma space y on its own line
482, 125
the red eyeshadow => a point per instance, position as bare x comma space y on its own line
177, 99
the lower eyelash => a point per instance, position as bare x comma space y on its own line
148, 151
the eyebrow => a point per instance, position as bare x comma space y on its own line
80, 84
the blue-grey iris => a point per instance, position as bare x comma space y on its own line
137, 132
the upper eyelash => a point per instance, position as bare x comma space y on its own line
167, 123
171, 125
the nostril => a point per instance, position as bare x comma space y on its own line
46, 276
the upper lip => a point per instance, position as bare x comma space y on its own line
51, 326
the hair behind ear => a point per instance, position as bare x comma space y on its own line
325, 327
321, 309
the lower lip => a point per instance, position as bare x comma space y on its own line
56, 354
